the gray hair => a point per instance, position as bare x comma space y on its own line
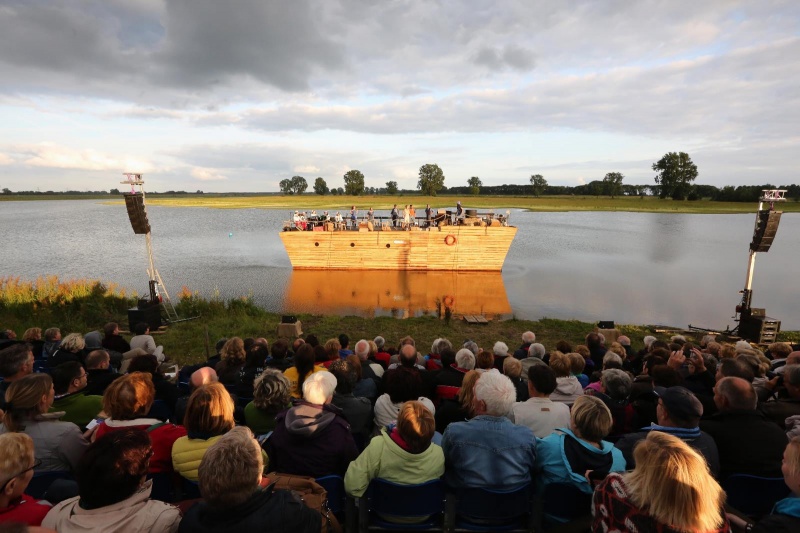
472, 346
362, 349
648, 340
271, 390
500, 349
379, 341
739, 393
439, 345
678, 338
13, 358
529, 337
465, 359
497, 391
610, 357
536, 350
617, 383
319, 387
742, 346
708, 338
792, 375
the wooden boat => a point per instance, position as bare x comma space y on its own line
477, 243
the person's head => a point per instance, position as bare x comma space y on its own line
69, 377
344, 340
271, 391
562, 346
361, 349
612, 360
52, 335
332, 348
727, 351
448, 357
528, 337
29, 396
16, 361
318, 388
734, 368
209, 411
618, 349
665, 376
312, 339
500, 349
484, 360
791, 380
379, 341
345, 375
144, 363
671, 480
512, 367
304, 363
98, 360
793, 359
130, 396
141, 328
233, 354
593, 340
220, 343
230, 470
791, 466
110, 329
560, 364
466, 394
780, 350
32, 334
624, 340
616, 384
494, 394
651, 360
279, 349
590, 418
113, 468
465, 359
16, 464
678, 407
73, 343
541, 381
408, 355
472, 346
536, 350
256, 356
734, 394
203, 376
92, 341
416, 426
576, 363
648, 340
758, 367
439, 345
713, 348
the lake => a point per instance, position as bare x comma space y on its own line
639, 268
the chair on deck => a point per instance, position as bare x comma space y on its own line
753, 495
477, 509
413, 507
562, 503
334, 486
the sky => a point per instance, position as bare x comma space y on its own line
238, 95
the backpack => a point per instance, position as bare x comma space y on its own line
311, 494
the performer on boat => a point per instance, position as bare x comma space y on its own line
354, 217
428, 215
395, 215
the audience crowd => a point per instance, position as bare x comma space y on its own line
642, 440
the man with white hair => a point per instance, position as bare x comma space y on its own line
535, 356
382, 356
489, 451
373, 371
448, 381
528, 338
312, 438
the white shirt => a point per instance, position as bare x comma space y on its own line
541, 415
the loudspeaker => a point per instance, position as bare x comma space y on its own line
136, 213
288, 319
149, 315
759, 329
606, 324
766, 227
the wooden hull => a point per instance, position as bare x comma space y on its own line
461, 248
398, 293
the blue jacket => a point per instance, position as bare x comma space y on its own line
553, 464
488, 452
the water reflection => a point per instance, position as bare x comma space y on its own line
397, 293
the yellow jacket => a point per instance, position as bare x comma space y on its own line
291, 375
187, 454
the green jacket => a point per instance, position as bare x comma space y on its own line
187, 454
80, 408
384, 459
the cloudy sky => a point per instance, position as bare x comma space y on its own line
237, 95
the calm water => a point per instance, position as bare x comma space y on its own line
628, 267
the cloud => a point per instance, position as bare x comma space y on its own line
5, 159
308, 169
513, 57
51, 155
207, 174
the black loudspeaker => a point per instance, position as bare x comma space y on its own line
759, 329
149, 315
288, 319
136, 213
766, 228
605, 324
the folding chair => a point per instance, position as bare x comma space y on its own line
392, 506
334, 486
477, 509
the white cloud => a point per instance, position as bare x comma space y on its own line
51, 155
5, 159
309, 169
207, 174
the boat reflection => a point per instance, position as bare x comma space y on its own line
397, 293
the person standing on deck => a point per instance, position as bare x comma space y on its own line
354, 217
428, 215
371, 215
406, 217
395, 215
412, 213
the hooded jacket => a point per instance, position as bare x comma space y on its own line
785, 517
311, 440
568, 389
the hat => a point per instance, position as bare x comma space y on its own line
680, 402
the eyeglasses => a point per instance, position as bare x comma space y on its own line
36, 464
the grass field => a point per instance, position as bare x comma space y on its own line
339, 203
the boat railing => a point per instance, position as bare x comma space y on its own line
386, 223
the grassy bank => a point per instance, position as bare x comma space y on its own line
85, 305
339, 203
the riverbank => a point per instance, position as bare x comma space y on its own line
85, 305
307, 202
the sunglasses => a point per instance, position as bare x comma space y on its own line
36, 464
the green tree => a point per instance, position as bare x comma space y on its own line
299, 184
113, 191
391, 188
474, 185
431, 179
286, 186
354, 182
320, 187
539, 184
613, 184
675, 173
340, 191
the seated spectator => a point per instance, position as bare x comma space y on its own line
100, 373
596, 349
254, 364
779, 351
357, 410
69, 384
500, 352
489, 451
16, 361
371, 371
536, 355
785, 516
202, 376
233, 500
376, 365
759, 365
143, 340
484, 360
402, 384
528, 338
748, 442
448, 381
209, 415
271, 395
540, 414
114, 493
405, 455
615, 387
577, 364
58, 445
678, 412
512, 368
332, 353
70, 349
458, 409
301, 370
781, 409
344, 342
312, 438
670, 491
365, 387
278, 356
112, 340
568, 388
52, 340
566, 455
434, 359
232, 359
127, 402
382, 356
166, 391
16, 470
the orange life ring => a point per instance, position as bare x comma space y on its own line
448, 301
450, 240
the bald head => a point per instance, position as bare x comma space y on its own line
735, 394
203, 376
408, 355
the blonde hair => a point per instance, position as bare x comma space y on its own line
32, 334
415, 423
793, 456
560, 364
467, 391
16, 454
72, 343
671, 483
726, 351
25, 398
591, 418
618, 349
232, 352
512, 367
780, 350
230, 469
130, 396
576, 363
209, 410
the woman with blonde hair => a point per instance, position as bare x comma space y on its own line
670, 491
70, 349
32, 334
59, 445
16, 470
232, 359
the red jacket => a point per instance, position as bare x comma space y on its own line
25, 509
162, 437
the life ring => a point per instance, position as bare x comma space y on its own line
448, 301
450, 240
